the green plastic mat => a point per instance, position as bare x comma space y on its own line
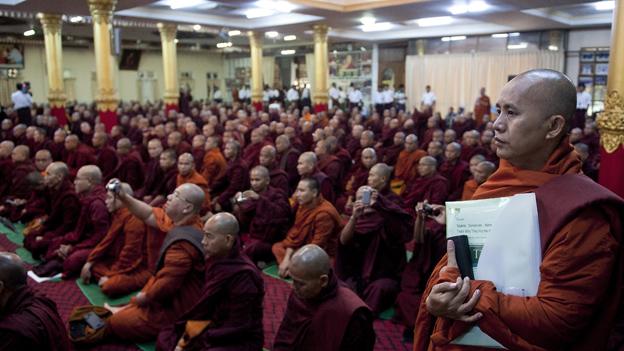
387, 314
273, 271
15, 237
409, 255
26, 256
147, 346
97, 297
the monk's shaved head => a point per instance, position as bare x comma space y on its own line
269, 150
12, 271
220, 235
382, 170
186, 157
429, 161
124, 145
268, 153
312, 260
261, 171
92, 173
193, 194
223, 223
483, 171
6, 147
20, 153
552, 91
58, 168
309, 157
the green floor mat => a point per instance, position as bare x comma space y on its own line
147, 346
273, 271
96, 297
26, 256
14, 237
409, 255
387, 314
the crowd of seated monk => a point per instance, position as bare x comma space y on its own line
206, 199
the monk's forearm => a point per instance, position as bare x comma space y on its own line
138, 208
419, 229
347, 232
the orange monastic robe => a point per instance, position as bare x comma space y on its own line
470, 187
200, 181
406, 168
213, 166
121, 255
581, 277
173, 290
318, 223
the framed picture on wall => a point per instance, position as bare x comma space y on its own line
602, 56
587, 69
587, 56
602, 69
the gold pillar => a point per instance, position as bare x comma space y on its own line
611, 121
255, 45
420, 47
102, 13
321, 69
52, 24
170, 62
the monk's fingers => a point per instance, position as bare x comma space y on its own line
446, 287
471, 303
450, 252
470, 318
463, 292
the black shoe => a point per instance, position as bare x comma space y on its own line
49, 268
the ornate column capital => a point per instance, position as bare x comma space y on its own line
51, 23
255, 38
320, 32
611, 122
102, 10
167, 30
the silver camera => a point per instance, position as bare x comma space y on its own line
113, 186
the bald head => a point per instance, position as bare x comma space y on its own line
58, 168
223, 223
193, 194
411, 143
267, 156
99, 139
483, 171
43, 158
20, 153
91, 173
452, 151
311, 260
12, 272
379, 176
6, 147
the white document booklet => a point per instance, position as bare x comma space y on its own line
504, 239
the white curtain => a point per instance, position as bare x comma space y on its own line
268, 70
310, 70
456, 78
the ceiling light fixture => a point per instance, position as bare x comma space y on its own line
224, 45
271, 34
517, 46
275, 5
76, 19
197, 27
514, 34
553, 48
377, 27
290, 38
368, 21
604, 5
180, 4
362, 48
234, 33
434, 21
500, 35
473, 6
288, 52
258, 12
29, 33
454, 38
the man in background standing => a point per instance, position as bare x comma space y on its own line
22, 101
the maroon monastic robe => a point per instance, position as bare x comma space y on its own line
107, 161
236, 179
81, 156
279, 179
130, 170
433, 188
457, 172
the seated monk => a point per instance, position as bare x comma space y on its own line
118, 264
391, 153
589, 168
471, 185
77, 155
130, 167
251, 152
21, 165
358, 178
234, 180
69, 251
214, 164
330, 165
176, 142
62, 209
199, 150
450, 136
35, 206
316, 222
43, 158
188, 174
481, 173
346, 162
279, 177
6, 164
167, 183
288, 157
430, 186
581, 270
470, 145
57, 148
228, 314
264, 213
105, 156
436, 150
29, 320
407, 164
180, 264
153, 172
307, 166
379, 179
321, 313
371, 251
455, 170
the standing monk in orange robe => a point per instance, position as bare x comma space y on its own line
407, 164
580, 222
316, 222
188, 174
214, 164
119, 262
179, 276
482, 108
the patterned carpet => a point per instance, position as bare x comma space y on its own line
68, 295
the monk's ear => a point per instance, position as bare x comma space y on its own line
324, 280
556, 126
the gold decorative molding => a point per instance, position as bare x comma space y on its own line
102, 10
320, 33
56, 97
51, 23
611, 122
353, 5
167, 31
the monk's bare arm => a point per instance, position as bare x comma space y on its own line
347, 232
139, 208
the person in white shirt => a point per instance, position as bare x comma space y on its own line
355, 98
378, 100
342, 99
388, 97
22, 102
244, 94
428, 99
334, 96
266, 95
216, 95
274, 94
583, 101
305, 96
400, 98
292, 96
